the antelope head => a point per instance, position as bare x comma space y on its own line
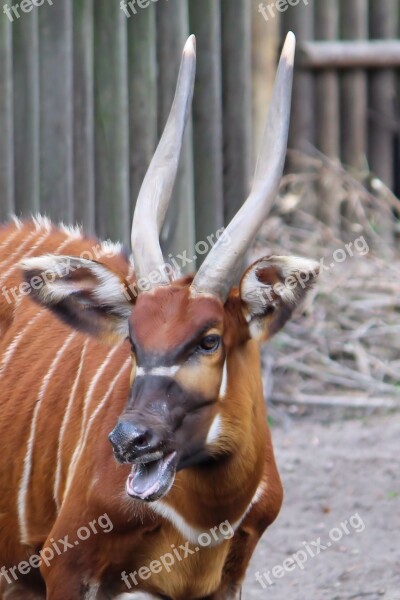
194, 340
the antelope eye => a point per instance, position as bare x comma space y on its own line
210, 343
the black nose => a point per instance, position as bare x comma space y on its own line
131, 441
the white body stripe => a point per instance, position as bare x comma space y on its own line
259, 492
158, 371
67, 415
105, 398
13, 256
62, 246
81, 445
31, 251
27, 467
86, 404
189, 532
10, 238
13, 345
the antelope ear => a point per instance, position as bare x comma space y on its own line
85, 294
271, 289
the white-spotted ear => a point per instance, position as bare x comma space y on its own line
272, 288
85, 294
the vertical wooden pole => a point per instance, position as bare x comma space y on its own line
327, 115
382, 94
111, 122
84, 207
265, 48
26, 113
300, 20
327, 84
354, 26
207, 119
236, 99
142, 81
172, 31
6, 120
382, 88
56, 112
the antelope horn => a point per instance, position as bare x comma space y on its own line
219, 270
156, 190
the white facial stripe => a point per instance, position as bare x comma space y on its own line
224, 382
158, 371
215, 430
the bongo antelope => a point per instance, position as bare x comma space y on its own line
131, 394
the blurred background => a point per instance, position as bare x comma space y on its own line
85, 89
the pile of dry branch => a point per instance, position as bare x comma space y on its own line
343, 348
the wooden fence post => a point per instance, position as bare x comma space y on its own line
300, 19
26, 114
205, 19
142, 82
265, 47
84, 199
172, 31
354, 25
56, 111
6, 120
327, 115
327, 84
382, 89
111, 122
236, 101
382, 94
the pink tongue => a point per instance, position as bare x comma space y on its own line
144, 479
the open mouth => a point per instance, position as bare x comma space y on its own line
152, 479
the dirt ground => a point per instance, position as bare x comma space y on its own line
341, 480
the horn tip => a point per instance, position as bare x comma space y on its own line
190, 46
289, 48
